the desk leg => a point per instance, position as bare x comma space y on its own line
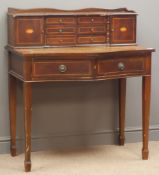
27, 90
122, 97
146, 86
12, 111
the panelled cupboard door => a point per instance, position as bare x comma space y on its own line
123, 29
29, 31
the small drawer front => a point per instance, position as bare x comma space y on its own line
60, 20
60, 40
62, 68
92, 30
91, 20
123, 66
91, 39
60, 30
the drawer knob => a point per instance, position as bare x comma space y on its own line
91, 39
62, 68
121, 66
92, 20
92, 29
61, 20
60, 30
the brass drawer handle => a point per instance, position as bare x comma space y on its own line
121, 66
62, 68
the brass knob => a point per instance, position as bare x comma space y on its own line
61, 20
62, 68
92, 39
121, 66
112, 30
60, 30
92, 20
92, 29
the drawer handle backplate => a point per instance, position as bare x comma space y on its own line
121, 66
62, 68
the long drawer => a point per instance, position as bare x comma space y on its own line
61, 68
91, 20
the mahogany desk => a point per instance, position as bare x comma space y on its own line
77, 64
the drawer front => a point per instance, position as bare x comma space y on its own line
91, 39
62, 68
60, 30
91, 20
123, 30
120, 66
29, 31
60, 40
92, 30
60, 20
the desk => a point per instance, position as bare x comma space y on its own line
40, 65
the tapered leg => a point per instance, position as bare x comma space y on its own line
122, 97
12, 111
27, 90
146, 88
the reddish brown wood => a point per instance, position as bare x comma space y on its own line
91, 20
120, 66
123, 29
12, 110
61, 40
60, 30
62, 68
48, 11
146, 85
61, 20
27, 93
122, 99
92, 30
40, 27
29, 31
91, 39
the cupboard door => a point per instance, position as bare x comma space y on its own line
123, 29
29, 31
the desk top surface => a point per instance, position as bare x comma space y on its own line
80, 50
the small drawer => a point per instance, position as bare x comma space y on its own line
60, 30
91, 39
91, 20
120, 66
62, 68
92, 30
60, 20
60, 40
